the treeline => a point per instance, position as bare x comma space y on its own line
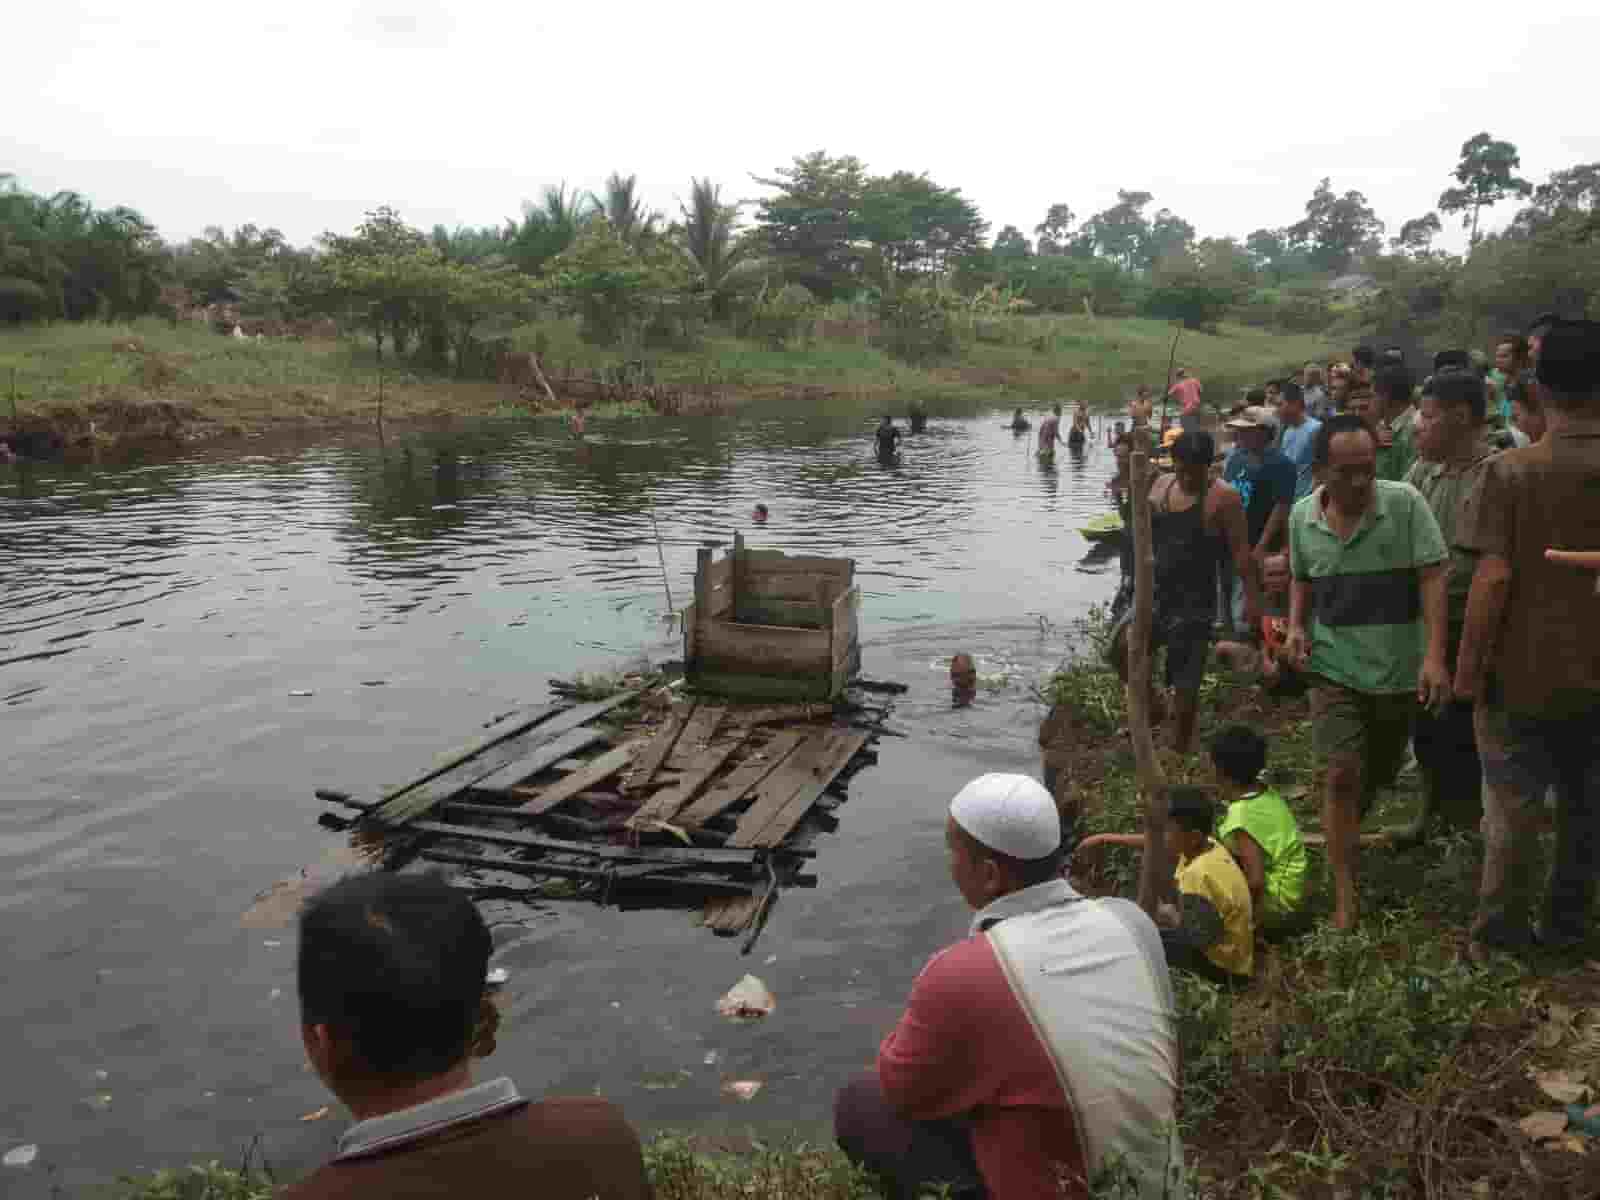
910, 257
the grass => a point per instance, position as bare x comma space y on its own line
1374, 1064
148, 379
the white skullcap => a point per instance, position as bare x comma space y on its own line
1011, 814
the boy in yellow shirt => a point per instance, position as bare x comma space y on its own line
1210, 933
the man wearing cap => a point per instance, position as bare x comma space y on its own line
1265, 480
1039, 1055
1531, 658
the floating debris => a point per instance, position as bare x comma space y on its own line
497, 976
301, 692
742, 1089
317, 1115
21, 1156
747, 1000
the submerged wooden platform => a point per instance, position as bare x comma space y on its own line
711, 803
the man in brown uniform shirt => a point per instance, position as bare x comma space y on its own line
392, 976
1531, 655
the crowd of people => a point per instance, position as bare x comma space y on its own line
1432, 590
1402, 557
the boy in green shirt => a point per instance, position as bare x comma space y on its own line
1258, 829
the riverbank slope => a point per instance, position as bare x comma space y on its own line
150, 381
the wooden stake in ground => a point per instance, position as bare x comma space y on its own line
1155, 870
538, 373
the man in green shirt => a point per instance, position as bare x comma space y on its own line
1395, 421
1451, 438
1367, 621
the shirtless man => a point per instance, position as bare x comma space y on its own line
1195, 522
1081, 427
1050, 432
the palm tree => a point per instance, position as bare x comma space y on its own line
548, 228
710, 238
621, 206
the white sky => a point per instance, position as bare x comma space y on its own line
303, 115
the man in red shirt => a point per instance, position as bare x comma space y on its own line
1038, 1057
1187, 393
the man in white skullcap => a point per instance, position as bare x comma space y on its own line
1039, 1055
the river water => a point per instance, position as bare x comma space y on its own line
157, 620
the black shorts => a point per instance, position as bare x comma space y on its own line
1187, 641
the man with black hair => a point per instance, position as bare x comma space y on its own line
1537, 328
1510, 363
1367, 619
1395, 416
1210, 934
1039, 1049
1194, 523
1531, 657
1297, 436
1365, 362
1450, 437
392, 978
888, 439
1258, 829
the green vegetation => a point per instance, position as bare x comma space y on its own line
1371, 1064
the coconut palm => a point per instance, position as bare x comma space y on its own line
621, 206
709, 236
548, 228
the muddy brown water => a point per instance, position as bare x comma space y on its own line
157, 619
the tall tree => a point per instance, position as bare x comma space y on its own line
1416, 235
709, 234
547, 228
1167, 235
1121, 232
812, 223
1055, 231
1337, 229
1485, 178
1010, 244
620, 204
917, 225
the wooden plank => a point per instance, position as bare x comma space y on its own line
709, 858
664, 805
762, 687
793, 614
508, 726
787, 794
726, 916
661, 745
697, 734
541, 757
771, 562
761, 649
660, 876
397, 809
741, 779
542, 800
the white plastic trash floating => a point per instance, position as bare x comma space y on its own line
747, 1000
21, 1156
498, 975
744, 1089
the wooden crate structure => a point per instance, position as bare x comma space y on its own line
769, 625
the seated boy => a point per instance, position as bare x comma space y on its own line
1258, 829
1209, 934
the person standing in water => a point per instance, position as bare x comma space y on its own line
1082, 427
1050, 432
1020, 423
888, 436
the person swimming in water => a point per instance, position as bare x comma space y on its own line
1020, 423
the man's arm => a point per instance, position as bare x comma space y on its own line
925, 1065
1276, 523
1247, 853
1199, 923
1433, 685
1486, 605
1230, 515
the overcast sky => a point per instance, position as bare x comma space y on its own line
303, 115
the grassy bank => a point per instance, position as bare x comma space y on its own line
1375, 1064
149, 380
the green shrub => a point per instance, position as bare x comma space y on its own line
918, 324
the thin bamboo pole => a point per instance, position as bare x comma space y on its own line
1155, 867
